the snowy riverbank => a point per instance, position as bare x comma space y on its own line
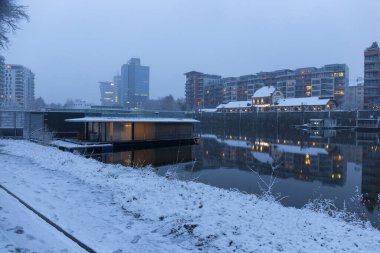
116, 209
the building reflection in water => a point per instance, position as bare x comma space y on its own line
310, 159
371, 177
285, 158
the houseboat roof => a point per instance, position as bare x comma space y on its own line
302, 101
133, 120
265, 91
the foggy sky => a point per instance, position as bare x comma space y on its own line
71, 45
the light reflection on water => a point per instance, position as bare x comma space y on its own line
343, 167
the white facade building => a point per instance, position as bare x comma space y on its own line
19, 86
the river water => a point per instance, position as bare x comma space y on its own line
298, 167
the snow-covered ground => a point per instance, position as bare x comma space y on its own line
21, 230
112, 208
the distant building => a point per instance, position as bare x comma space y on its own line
195, 88
248, 85
288, 88
19, 86
110, 93
213, 93
117, 82
329, 81
79, 104
229, 89
268, 98
372, 77
355, 95
2, 80
134, 84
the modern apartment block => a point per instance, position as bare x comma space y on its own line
213, 93
207, 91
329, 81
19, 86
194, 88
134, 84
372, 77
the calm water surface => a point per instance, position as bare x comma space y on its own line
341, 166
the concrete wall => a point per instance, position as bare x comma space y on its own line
280, 120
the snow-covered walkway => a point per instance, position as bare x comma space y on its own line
116, 209
21, 230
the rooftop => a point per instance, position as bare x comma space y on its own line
235, 104
302, 101
265, 91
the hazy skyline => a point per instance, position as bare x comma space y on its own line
71, 45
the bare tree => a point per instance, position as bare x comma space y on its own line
10, 14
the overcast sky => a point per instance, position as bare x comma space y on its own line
71, 45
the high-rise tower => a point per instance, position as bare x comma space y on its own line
134, 84
372, 77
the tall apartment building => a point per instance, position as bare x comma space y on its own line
329, 81
2, 80
249, 84
372, 77
194, 88
109, 94
134, 84
19, 86
213, 94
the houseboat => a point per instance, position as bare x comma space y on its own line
139, 132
